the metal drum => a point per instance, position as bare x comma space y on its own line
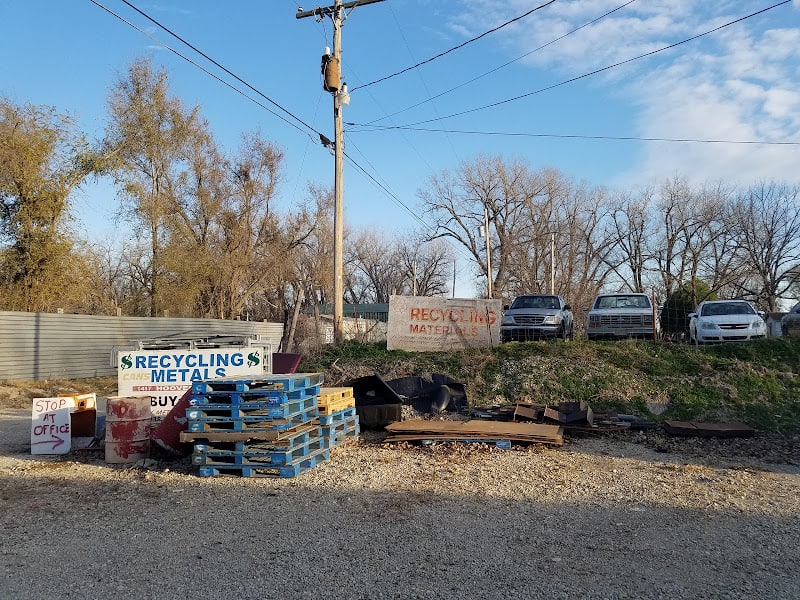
127, 429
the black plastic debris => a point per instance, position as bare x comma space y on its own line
377, 405
433, 394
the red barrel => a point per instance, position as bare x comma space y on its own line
127, 429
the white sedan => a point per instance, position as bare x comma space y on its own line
725, 321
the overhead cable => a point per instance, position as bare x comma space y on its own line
441, 54
504, 65
607, 68
572, 136
190, 61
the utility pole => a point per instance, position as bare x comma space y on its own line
331, 67
489, 290
552, 262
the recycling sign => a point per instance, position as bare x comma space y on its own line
165, 375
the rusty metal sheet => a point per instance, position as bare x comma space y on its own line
534, 413
695, 429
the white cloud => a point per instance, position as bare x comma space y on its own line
739, 83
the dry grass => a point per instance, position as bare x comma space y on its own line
20, 394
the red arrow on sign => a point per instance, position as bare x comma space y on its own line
56, 441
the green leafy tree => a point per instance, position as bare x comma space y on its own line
681, 302
43, 160
152, 136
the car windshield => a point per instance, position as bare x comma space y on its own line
622, 301
535, 302
727, 308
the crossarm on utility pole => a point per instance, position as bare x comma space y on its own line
324, 11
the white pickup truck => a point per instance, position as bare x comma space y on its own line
618, 316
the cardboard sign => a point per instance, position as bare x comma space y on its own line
165, 375
50, 425
432, 324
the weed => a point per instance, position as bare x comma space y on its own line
756, 383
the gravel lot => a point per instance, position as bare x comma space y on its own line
629, 516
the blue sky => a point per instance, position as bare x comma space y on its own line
739, 83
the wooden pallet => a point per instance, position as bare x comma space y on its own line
331, 400
288, 470
337, 434
283, 382
337, 417
219, 412
268, 396
252, 457
250, 424
267, 435
286, 441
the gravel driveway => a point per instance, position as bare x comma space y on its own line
608, 517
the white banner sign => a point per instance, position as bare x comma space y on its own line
50, 425
431, 324
165, 375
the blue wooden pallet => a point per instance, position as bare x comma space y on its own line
333, 442
210, 412
258, 423
288, 441
337, 417
284, 382
288, 470
257, 458
258, 395
341, 432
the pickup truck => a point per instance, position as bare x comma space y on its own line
536, 316
619, 316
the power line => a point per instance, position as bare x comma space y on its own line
573, 136
190, 61
386, 190
596, 71
380, 185
441, 54
504, 65
458, 249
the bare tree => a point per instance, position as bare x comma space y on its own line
766, 222
372, 268
488, 189
425, 264
583, 244
631, 219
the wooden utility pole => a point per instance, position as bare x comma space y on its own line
341, 98
489, 290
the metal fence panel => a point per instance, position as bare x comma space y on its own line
35, 346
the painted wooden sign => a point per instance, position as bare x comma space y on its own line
432, 324
50, 425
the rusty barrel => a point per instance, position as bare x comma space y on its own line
127, 429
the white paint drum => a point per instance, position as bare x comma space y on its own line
127, 429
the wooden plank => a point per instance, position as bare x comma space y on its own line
489, 429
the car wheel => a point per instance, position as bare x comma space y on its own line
562, 332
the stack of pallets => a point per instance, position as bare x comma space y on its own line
268, 427
337, 415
